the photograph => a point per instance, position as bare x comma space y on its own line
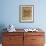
22, 22
26, 13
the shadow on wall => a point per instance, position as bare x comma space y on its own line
2, 26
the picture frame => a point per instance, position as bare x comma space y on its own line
26, 13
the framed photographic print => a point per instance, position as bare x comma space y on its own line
26, 13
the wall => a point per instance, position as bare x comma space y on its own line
10, 13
